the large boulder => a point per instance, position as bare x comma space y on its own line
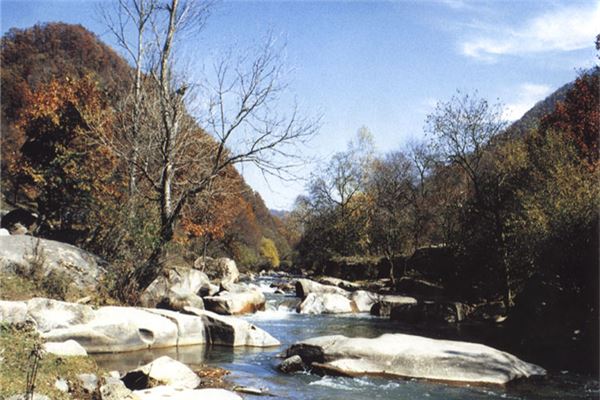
236, 299
384, 305
413, 357
26, 254
346, 285
231, 331
219, 270
171, 393
364, 300
70, 348
419, 288
305, 286
119, 329
179, 287
429, 311
326, 303
163, 370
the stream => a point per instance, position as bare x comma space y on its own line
257, 367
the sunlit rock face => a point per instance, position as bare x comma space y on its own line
412, 356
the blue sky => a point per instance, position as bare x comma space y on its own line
384, 64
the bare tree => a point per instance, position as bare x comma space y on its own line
462, 127
391, 188
176, 158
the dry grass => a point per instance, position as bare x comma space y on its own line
16, 344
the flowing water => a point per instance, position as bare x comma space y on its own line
257, 367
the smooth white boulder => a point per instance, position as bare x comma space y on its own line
364, 300
219, 271
118, 329
170, 372
326, 303
231, 331
14, 312
238, 299
69, 348
414, 357
178, 288
171, 393
305, 286
383, 307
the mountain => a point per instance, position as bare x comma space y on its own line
57, 51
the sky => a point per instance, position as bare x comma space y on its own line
380, 64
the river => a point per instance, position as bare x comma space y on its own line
257, 367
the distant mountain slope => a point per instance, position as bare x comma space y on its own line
45, 52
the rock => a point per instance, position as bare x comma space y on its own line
346, 285
305, 286
429, 311
231, 331
118, 329
384, 306
36, 396
291, 364
163, 370
61, 385
14, 312
238, 299
220, 270
89, 382
70, 348
178, 288
190, 329
413, 357
168, 392
326, 303
54, 314
419, 288
4, 232
115, 389
25, 254
364, 300
19, 221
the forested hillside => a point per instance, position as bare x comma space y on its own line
483, 213
63, 93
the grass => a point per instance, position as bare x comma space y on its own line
16, 344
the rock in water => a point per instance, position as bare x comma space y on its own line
326, 303
305, 286
236, 299
413, 357
168, 392
291, 364
118, 329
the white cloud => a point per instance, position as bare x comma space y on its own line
565, 29
528, 95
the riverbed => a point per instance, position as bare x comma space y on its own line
257, 367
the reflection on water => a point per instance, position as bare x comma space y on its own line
257, 367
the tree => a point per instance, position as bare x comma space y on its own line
461, 129
60, 168
269, 251
177, 159
391, 189
338, 190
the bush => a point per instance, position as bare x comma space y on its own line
268, 250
